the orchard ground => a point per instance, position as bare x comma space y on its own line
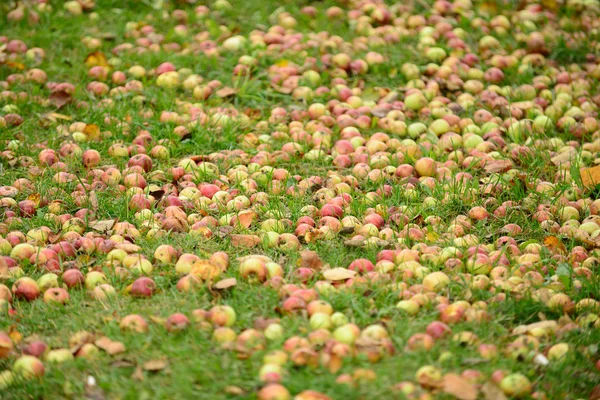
406, 178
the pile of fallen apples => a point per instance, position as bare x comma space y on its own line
485, 133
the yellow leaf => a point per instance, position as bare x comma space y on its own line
282, 63
93, 131
554, 245
35, 197
97, 58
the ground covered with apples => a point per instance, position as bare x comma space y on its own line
299, 200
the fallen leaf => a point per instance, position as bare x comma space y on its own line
338, 274
93, 200
138, 375
310, 259
244, 219
103, 226
245, 240
60, 98
234, 390
154, 365
223, 231
92, 131
554, 245
97, 58
122, 364
458, 387
36, 198
498, 166
492, 392
157, 320
109, 346
590, 177
225, 284
355, 242
226, 92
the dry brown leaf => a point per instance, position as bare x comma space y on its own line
310, 259
60, 98
122, 364
103, 226
338, 274
226, 92
138, 375
110, 346
355, 242
225, 284
93, 200
492, 392
498, 166
154, 365
234, 390
157, 320
459, 387
245, 240
97, 58
555, 245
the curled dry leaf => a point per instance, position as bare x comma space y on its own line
225, 284
60, 98
310, 259
103, 226
459, 387
109, 346
93, 197
138, 375
492, 392
154, 365
226, 92
234, 390
338, 274
245, 240
498, 166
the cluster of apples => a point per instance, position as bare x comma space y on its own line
416, 172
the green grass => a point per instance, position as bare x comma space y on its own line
196, 366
